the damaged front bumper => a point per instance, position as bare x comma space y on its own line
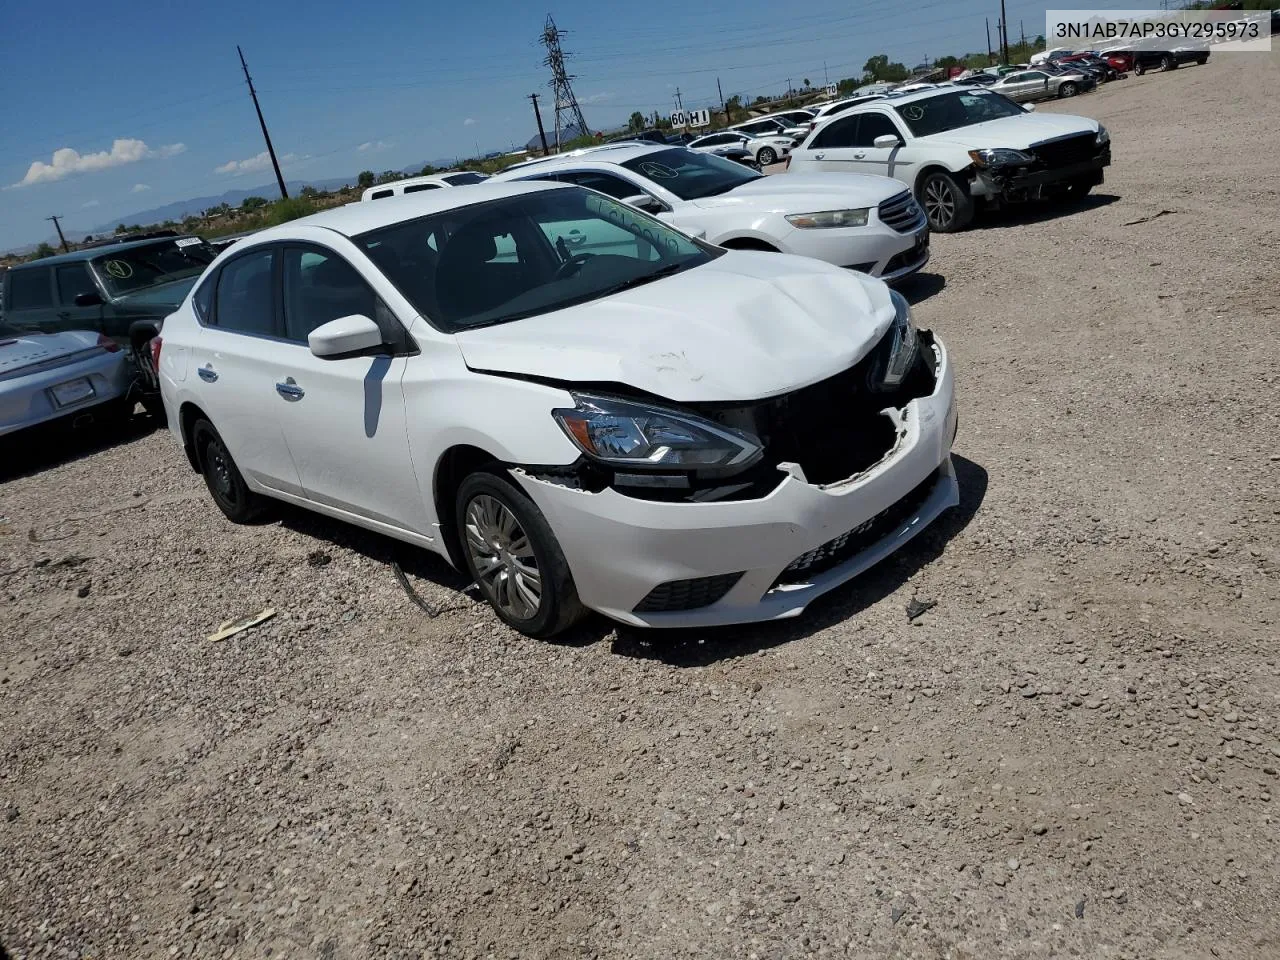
1030, 183
680, 564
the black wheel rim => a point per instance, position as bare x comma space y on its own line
220, 471
939, 202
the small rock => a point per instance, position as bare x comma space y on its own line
318, 558
82, 591
897, 913
1185, 798
1079, 909
1039, 829
11, 814
916, 608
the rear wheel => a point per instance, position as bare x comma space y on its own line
514, 557
1167, 63
222, 476
767, 156
946, 203
1068, 89
1139, 69
1202, 60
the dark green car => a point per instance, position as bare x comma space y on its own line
123, 290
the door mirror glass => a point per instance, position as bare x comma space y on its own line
345, 336
886, 141
88, 300
642, 201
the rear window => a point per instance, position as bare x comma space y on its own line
419, 187
462, 179
30, 289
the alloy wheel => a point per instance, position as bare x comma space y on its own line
503, 558
939, 202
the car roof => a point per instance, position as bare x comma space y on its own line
356, 218
613, 153
89, 253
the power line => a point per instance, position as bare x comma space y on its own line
284, 194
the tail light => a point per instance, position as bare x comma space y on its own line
107, 344
156, 343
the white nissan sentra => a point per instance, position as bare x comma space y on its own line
574, 403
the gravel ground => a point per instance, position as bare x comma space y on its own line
1073, 753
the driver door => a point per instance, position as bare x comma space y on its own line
895, 162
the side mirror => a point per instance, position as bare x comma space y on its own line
886, 142
88, 300
642, 201
1029, 107
698, 234
344, 337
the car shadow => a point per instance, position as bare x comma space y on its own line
701, 647
38, 449
920, 286
1021, 214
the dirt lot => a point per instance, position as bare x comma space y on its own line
1074, 753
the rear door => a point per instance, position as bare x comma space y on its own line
239, 355
29, 301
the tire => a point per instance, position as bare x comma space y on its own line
1079, 189
1068, 89
766, 157
1202, 60
1139, 69
531, 589
221, 475
1167, 63
946, 202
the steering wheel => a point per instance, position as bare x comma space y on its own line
577, 260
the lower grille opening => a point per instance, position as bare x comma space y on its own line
862, 537
687, 594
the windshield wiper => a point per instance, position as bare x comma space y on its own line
642, 280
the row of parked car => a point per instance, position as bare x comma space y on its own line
637, 378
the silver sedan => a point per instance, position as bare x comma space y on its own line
51, 376
1039, 85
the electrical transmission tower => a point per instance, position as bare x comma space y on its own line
566, 102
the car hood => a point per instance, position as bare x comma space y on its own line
161, 298
806, 192
1016, 132
745, 326
32, 349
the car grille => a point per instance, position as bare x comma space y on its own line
687, 594
1066, 151
902, 213
862, 537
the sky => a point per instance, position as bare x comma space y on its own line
109, 110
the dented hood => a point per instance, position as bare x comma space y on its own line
745, 326
1017, 132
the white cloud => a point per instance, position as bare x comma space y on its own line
469, 122
140, 188
373, 146
65, 162
260, 162
91, 203
599, 97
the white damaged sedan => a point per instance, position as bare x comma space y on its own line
572, 402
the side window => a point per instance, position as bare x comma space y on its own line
597, 237
73, 279
606, 183
872, 125
245, 296
202, 300
320, 286
419, 187
837, 133
381, 194
30, 289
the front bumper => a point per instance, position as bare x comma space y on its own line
876, 249
621, 548
1022, 183
27, 401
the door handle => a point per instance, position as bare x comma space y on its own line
207, 373
819, 156
290, 389
859, 156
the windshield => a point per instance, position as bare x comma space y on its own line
691, 175
526, 255
136, 268
951, 111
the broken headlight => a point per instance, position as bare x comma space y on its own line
998, 157
903, 344
635, 435
1102, 138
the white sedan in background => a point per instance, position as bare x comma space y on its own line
641, 424
867, 223
765, 151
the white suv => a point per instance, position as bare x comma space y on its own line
764, 150
955, 146
632, 421
865, 223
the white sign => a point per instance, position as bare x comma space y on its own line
832, 90
690, 118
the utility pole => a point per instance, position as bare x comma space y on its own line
989, 55
1004, 33
58, 227
724, 105
284, 194
537, 115
1023, 30
679, 101
826, 78
788, 88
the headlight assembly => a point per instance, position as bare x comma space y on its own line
830, 218
999, 156
638, 436
1103, 137
903, 345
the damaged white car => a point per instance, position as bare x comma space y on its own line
574, 403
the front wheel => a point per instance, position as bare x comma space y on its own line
1139, 69
946, 203
766, 157
1167, 63
221, 475
1079, 189
514, 557
1068, 89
